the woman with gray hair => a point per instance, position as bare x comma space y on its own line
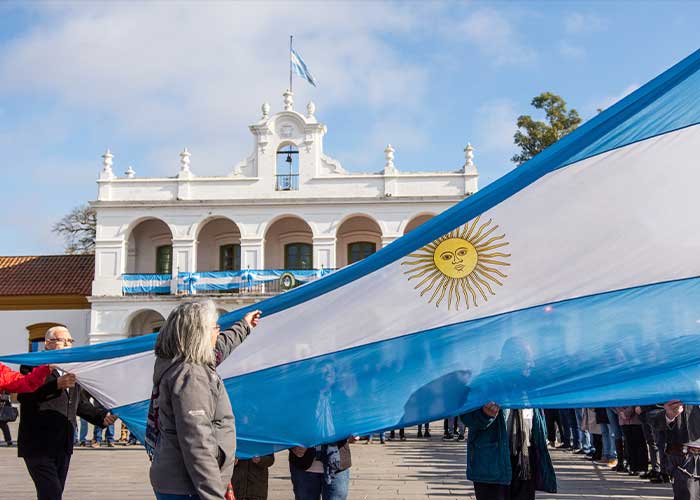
191, 431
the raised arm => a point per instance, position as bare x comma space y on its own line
12, 381
232, 337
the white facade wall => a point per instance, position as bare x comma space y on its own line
330, 209
15, 323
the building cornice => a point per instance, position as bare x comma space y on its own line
239, 178
383, 200
43, 302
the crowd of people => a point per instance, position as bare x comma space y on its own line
191, 434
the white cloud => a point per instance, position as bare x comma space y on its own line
496, 38
496, 122
578, 23
174, 72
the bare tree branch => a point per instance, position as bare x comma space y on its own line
78, 228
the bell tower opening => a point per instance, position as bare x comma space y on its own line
287, 176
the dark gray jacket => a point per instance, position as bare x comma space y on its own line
47, 424
197, 444
684, 429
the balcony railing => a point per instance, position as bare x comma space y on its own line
146, 284
287, 182
246, 282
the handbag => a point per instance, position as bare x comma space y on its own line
8, 413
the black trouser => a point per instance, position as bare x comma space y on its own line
486, 491
551, 417
650, 438
636, 448
402, 434
49, 475
567, 419
597, 442
6, 431
518, 489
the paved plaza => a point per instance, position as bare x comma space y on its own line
409, 470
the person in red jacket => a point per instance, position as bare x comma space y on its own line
12, 381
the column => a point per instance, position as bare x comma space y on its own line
252, 253
324, 252
184, 259
110, 263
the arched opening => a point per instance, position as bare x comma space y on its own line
357, 237
37, 332
417, 221
289, 244
150, 248
287, 175
144, 322
219, 246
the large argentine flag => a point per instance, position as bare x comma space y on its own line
571, 281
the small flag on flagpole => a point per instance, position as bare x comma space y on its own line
300, 68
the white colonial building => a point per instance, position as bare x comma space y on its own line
285, 215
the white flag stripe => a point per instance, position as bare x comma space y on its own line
618, 197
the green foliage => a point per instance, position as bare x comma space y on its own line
78, 228
533, 136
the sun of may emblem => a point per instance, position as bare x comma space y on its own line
459, 265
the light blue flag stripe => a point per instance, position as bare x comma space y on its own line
301, 69
535, 370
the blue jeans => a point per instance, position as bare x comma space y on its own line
83, 430
170, 496
609, 450
615, 429
311, 486
109, 434
584, 436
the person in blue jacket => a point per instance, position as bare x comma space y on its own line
507, 456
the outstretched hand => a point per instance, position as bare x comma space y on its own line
252, 318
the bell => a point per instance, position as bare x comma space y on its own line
289, 158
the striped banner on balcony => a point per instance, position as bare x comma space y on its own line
142, 284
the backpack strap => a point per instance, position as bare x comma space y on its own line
152, 429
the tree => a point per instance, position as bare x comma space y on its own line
534, 136
78, 228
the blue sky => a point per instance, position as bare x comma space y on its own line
147, 80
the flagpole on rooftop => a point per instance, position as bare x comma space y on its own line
290, 62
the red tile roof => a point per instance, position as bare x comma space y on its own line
47, 275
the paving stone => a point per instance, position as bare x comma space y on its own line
400, 470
